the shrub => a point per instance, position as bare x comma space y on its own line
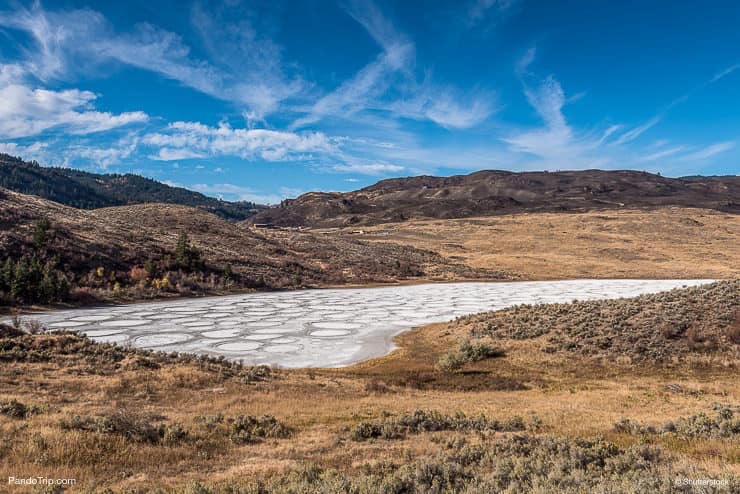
431, 421
138, 274
246, 429
468, 352
519, 463
17, 410
134, 426
724, 424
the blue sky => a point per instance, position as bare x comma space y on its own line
261, 100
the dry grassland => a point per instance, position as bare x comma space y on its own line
657, 243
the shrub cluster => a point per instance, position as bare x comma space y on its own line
17, 410
77, 353
656, 326
508, 465
130, 424
725, 423
430, 421
247, 429
468, 352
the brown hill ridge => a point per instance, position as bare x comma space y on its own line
117, 239
501, 192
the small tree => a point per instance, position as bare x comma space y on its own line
41, 233
186, 256
151, 268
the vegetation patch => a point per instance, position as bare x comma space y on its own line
513, 464
468, 352
132, 425
725, 424
17, 410
660, 326
76, 353
246, 429
430, 421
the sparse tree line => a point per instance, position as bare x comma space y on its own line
34, 277
37, 275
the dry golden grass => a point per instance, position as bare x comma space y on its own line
573, 396
657, 243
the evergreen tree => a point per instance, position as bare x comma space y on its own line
41, 233
186, 256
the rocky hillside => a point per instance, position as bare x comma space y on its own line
500, 192
86, 190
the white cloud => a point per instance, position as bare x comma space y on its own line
479, 8
368, 168
95, 154
392, 72
609, 132
34, 151
633, 134
26, 111
522, 65
710, 151
63, 41
725, 72
191, 139
445, 106
556, 140
234, 192
662, 154
102, 156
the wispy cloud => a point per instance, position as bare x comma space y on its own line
725, 72
710, 151
662, 154
636, 132
368, 168
479, 9
249, 73
252, 61
394, 69
652, 122
555, 141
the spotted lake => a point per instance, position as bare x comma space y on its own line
320, 328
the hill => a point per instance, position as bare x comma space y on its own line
86, 190
500, 192
151, 250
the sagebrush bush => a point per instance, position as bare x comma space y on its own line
724, 424
468, 352
657, 327
431, 421
17, 410
132, 425
246, 429
508, 465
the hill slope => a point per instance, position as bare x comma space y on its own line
102, 248
86, 190
501, 192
